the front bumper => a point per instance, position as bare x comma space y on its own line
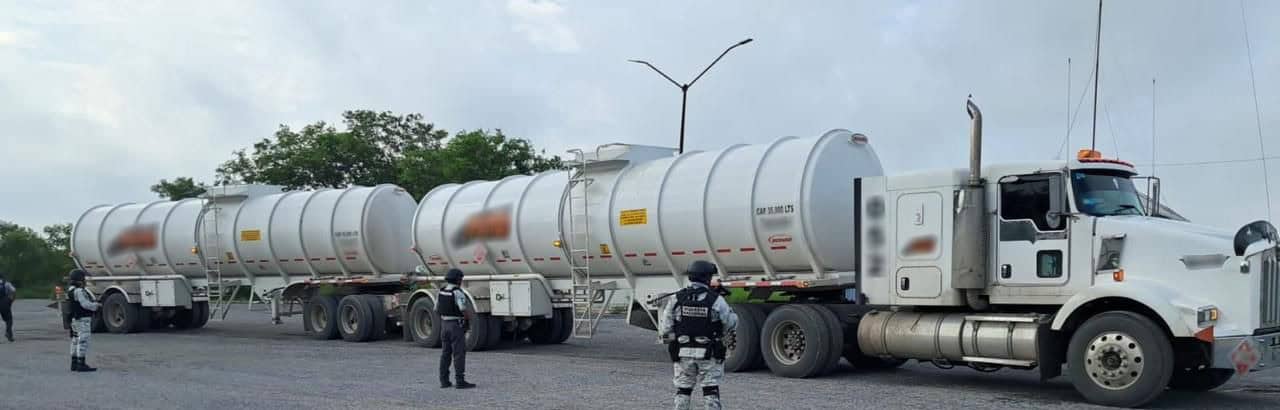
1247, 353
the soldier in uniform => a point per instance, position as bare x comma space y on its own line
693, 323
82, 305
451, 305
7, 295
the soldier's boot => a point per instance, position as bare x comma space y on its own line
75, 364
462, 384
8, 333
84, 367
711, 397
444, 384
683, 398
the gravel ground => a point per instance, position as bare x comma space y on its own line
246, 362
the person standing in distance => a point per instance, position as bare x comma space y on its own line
81, 302
694, 322
453, 307
7, 295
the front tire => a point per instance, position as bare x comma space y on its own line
1199, 380
1120, 359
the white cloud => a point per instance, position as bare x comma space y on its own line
542, 23
8, 38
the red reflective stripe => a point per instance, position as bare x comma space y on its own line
555, 258
299, 260
538, 259
677, 253
315, 259
501, 261
351, 258
605, 256
724, 250
330, 259
630, 254
700, 252
650, 254
777, 247
465, 262
747, 249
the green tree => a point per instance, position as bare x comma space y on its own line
380, 147
31, 261
180, 188
59, 237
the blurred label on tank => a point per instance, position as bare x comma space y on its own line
250, 235
133, 238
604, 249
489, 224
633, 217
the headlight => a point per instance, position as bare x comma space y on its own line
1206, 316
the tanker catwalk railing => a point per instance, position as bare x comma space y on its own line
589, 299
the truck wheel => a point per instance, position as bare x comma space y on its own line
378, 321
99, 325
742, 345
119, 315
1199, 380
837, 336
544, 331
495, 332
566, 318
1120, 359
200, 310
355, 319
321, 316
478, 335
795, 342
424, 323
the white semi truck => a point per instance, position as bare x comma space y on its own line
1028, 266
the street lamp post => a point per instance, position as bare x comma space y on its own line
684, 88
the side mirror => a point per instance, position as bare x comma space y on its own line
1057, 204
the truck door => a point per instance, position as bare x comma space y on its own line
1032, 232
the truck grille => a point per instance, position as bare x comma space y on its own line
1270, 290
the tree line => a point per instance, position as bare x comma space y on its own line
367, 148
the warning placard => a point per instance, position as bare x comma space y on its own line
633, 217
604, 249
250, 235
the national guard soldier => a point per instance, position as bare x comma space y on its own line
693, 324
452, 306
81, 303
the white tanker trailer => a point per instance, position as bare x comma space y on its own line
1026, 265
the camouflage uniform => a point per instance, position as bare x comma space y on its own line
689, 372
82, 327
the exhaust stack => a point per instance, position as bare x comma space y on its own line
971, 237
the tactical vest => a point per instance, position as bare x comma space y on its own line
447, 304
694, 324
77, 311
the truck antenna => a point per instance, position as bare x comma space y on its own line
1097, 77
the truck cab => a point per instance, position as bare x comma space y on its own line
1064, 247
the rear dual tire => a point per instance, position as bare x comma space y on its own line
361, 318
801, 341
743, 343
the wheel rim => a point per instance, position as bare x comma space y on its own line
788, 342
1114, 360
117, 315
348, 319
422, 326
320, 318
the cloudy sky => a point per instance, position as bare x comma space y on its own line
99, 101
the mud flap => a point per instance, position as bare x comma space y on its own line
640, 317
1051, 347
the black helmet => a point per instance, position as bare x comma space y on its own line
453, 276
76, 275
701, 271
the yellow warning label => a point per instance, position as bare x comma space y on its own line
633, 217
250, 235
604, 249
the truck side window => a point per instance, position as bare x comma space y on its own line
1028, 199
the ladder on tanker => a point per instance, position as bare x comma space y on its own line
221, 293
590, 299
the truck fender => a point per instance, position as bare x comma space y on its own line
1175, 310
117, 289
431, 293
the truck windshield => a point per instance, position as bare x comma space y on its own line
1105, 193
